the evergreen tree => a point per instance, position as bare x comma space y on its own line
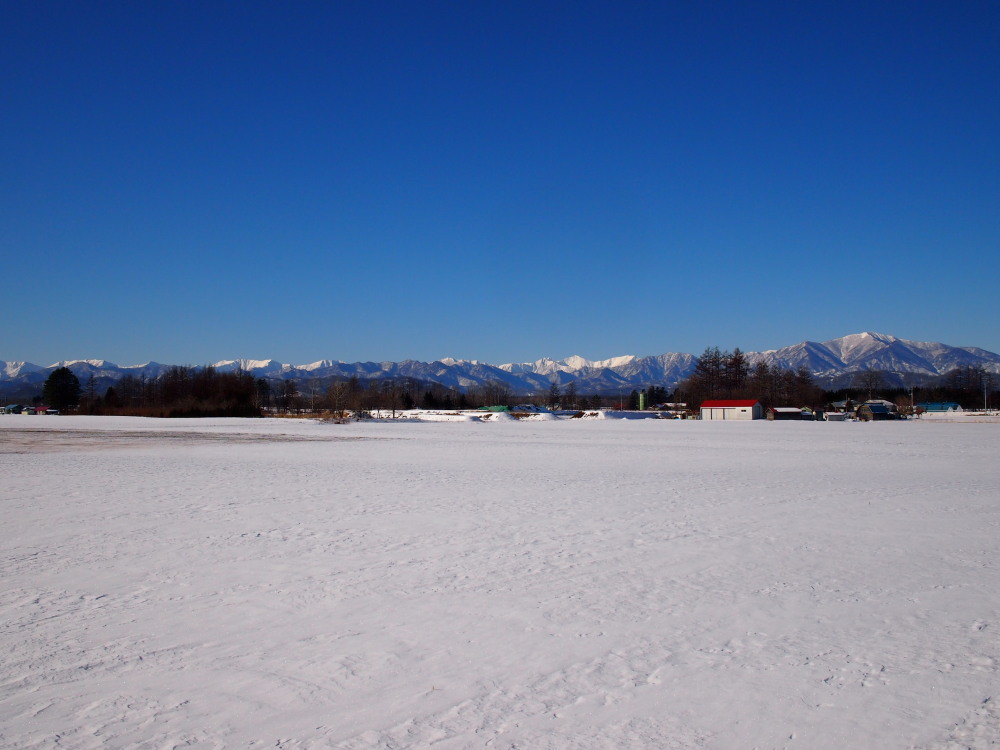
735, 371
708, 371
61, 389
633, 401
656, 394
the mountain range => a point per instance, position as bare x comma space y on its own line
832, 363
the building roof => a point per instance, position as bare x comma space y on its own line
787, 409
722, 403
875, 408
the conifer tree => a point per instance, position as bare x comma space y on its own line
61, 389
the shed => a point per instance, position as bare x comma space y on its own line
741, 409
873, 413
887, 404
785, 412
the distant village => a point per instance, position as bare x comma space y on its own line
872, 410
722, 387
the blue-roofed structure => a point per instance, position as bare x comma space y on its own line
940, 406
874, 413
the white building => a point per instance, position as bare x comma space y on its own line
745, 408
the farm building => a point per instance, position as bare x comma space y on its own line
887, 404
940, 406
787, 412
873, 413
732, 409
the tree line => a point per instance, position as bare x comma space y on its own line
182, 391
179, 391
971, 386
722, 374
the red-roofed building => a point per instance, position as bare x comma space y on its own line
737, 408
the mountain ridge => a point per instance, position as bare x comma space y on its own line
828, 361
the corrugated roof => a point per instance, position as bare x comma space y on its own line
722, 403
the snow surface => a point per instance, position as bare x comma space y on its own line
546, 584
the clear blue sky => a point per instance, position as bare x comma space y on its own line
191, 181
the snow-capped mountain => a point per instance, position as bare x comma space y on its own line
830, 362
571, 365
13, 370
262, 367
877, 351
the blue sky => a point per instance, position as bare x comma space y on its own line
186, 182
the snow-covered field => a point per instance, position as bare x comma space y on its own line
541, 584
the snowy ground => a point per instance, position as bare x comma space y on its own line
544, 584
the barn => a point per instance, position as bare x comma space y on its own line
746, 408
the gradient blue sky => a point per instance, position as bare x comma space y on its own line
191, 181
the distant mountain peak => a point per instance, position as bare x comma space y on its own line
569, 365
15, 369
99, 363
249, 365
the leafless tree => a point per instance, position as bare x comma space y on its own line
869, 381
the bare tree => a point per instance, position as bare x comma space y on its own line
288, 396
570, 397
492, 393
553, 399
868, 381
336, 399
390, 395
